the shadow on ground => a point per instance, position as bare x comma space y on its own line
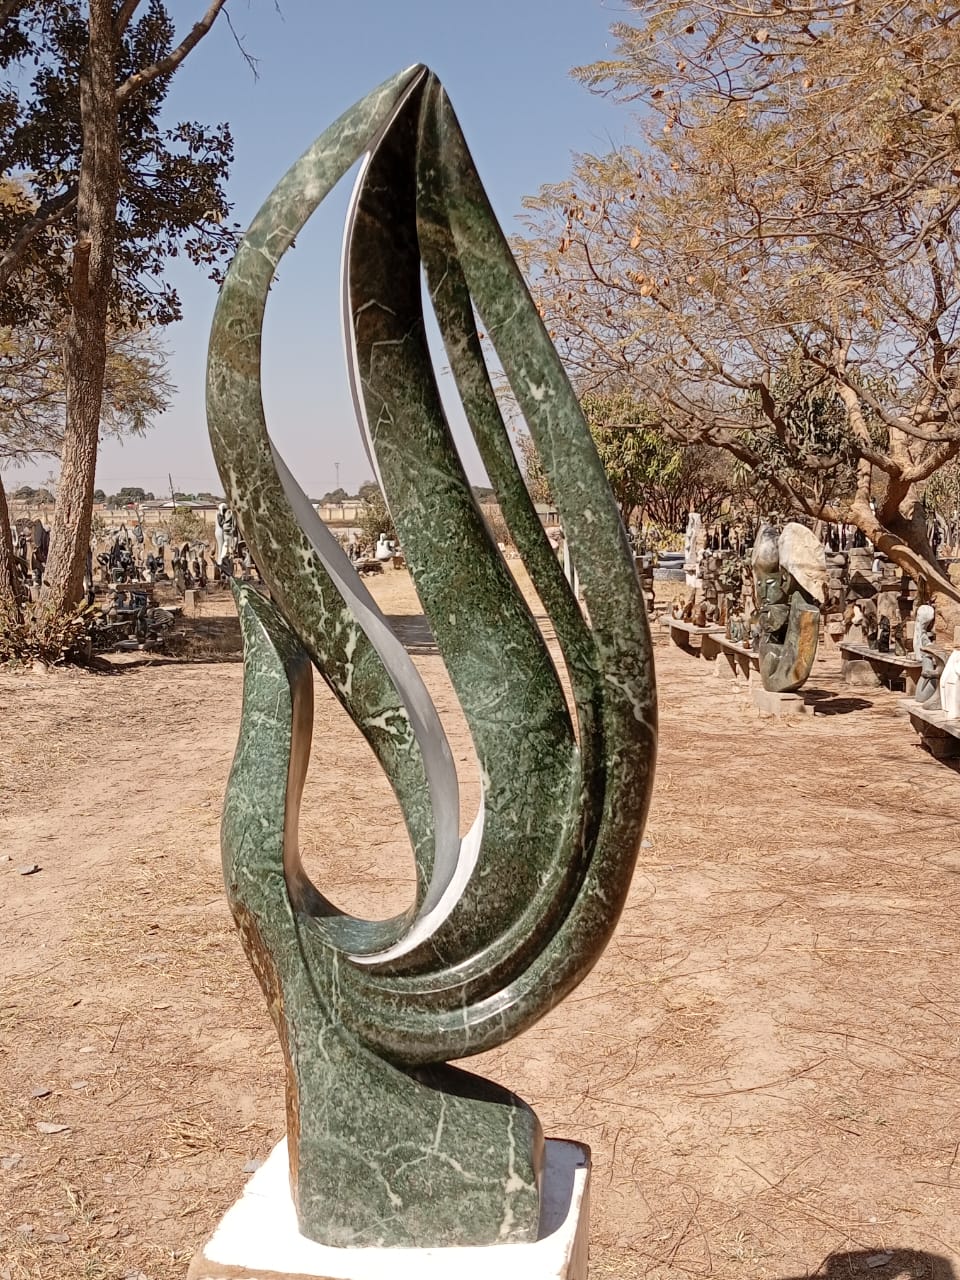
827, 703
883, 1263
202, 640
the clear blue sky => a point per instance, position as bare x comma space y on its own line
505, 64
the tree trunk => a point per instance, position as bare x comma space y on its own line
909, 523
902, 536
85, 350
9, 578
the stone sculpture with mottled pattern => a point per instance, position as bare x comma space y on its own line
388, 1144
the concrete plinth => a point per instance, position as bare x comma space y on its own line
859, 674
777, 704
258, 1238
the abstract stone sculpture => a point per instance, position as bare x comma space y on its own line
389, 1145
789, 572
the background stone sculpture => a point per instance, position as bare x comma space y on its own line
790, 573
924, 639
950, 687
387, 1144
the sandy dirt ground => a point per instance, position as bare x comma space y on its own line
766, 1061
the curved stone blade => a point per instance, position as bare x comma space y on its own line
507, 921
379, 1156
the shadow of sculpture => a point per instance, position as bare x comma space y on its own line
883, 1263
827, 703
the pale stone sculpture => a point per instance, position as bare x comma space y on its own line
950, 687
931, 663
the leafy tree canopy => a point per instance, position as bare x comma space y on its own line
33, 400
171, 183
773, 264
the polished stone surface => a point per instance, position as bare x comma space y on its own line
387, 1144
258, 1236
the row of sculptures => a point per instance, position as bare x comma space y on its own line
125, 558
771, 598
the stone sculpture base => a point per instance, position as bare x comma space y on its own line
777, 704
258, 1239
859, 674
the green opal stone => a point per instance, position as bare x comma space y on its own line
388, 1144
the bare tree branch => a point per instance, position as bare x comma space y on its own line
126, 11
175, 57
248, 57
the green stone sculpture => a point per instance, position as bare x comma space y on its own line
789, 574
388, 1144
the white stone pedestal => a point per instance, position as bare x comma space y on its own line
258, 1239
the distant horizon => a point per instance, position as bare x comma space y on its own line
204, 497
523, 116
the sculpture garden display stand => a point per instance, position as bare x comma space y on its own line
259, 1237
390, 1149
781, 705
683, 634
742, 663
865, 668
939, 733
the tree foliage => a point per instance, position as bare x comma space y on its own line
653, 479
98, 195
183, 524
172, 197
375, 518
774, 263
33, 399
128, 495
538, 485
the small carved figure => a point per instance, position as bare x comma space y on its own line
869, 620
931, 662
225, 533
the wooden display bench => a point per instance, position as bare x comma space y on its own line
683, 633
858, 660
740, 659
369, 564
939, 735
